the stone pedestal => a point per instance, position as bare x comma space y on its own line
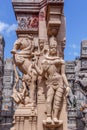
25, 119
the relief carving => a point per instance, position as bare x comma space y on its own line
28, 22
22, 56
53, 69
42, 88
45, 67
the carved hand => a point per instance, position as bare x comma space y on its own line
16, 80
33, 64
67, 90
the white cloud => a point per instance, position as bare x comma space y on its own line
4, 27
11, 28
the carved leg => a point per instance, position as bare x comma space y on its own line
57, 104
32, 92
32, 85
40, 85
50, 95
55, 117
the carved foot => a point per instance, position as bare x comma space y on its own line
55, 120
49, 120
52, 124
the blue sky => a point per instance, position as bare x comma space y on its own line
76, 26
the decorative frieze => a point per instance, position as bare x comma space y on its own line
28, 22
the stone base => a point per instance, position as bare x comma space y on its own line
51, 126
25, 118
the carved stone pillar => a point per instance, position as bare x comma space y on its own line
38, 60
30, 122
41, 107
42, 23
34, 124
21, 123
17, 119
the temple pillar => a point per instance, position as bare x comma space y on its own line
41, 28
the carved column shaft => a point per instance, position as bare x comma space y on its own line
21, 123
17, 122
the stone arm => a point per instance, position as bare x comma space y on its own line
16, 74
65, 79
38, 70
16, 79
24, 85
24, 53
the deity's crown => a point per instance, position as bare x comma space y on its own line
53, 41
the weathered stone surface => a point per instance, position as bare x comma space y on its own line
42, 21
44, 83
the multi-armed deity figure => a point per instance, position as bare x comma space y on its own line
53, 69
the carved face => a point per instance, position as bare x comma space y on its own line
53, 50
25, 43
53, 46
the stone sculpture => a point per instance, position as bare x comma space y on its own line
22, 97
49, 72
22, 50
38, 55
53, 69
41, 55
23, 60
